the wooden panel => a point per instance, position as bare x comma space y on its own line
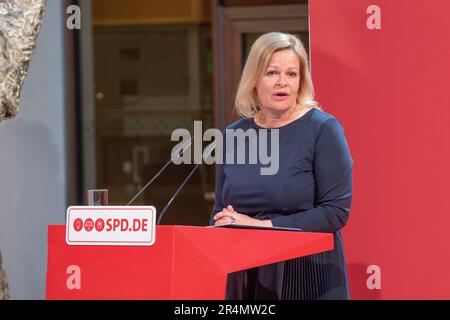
232, 3
282, 25
138, 12
268, 12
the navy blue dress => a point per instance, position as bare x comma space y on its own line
312, 190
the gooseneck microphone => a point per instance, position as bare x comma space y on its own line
186, 146
176, 193
208, 151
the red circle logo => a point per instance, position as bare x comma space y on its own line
78, 225
89, 225
99, 225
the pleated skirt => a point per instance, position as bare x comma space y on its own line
320, 276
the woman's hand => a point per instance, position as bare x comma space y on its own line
228, 215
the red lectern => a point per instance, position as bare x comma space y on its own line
185, 263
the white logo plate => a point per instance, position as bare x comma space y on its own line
110, 226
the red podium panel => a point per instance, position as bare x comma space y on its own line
186, 263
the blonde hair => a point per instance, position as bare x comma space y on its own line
246, 103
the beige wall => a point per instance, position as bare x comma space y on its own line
33, 180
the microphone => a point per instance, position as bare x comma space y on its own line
176, 193
208, 151
174, 156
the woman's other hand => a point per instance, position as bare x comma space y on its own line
229, 215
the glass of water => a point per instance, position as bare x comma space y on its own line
97, 197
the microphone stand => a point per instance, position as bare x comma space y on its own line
187, 146
149, 183
176, 193
209, 149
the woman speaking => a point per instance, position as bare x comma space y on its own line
312, 189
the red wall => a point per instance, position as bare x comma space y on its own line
390, 89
